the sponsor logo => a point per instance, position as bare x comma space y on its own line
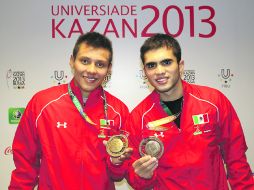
59, 77
189, 76
161, 134
143, 79
59, 124
16, 79
225, 77
15, 115
8, 151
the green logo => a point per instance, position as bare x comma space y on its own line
15, 115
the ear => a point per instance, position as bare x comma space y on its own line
71, 63
143, 67
181, 67
110, 68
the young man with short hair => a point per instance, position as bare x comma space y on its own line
184, 132
58, 144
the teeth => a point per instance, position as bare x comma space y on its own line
90, 79
161, 80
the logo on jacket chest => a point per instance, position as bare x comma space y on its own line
63, 124
198, 121
105, 126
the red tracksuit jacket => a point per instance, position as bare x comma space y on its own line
194, 155
57, 149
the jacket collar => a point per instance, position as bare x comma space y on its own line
93, 97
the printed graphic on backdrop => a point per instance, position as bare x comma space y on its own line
143, 81
8, 150
68, 20
59, 77
15, 79
106, 83
225, 77
15, 114
189, 76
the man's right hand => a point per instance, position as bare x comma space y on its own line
145, 166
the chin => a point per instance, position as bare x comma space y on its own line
163, 90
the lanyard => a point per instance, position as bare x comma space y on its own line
166, 109
80, 109
105, 106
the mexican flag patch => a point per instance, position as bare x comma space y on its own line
200, 119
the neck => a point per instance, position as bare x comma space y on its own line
173, 94
84, 94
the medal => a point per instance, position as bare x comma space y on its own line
151, 146
116, 145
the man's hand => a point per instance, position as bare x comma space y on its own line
145, 166
126, 155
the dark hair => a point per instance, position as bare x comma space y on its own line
161, 40
95, 40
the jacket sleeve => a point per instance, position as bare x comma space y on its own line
26, 154
116, 172
135, 137
233, 147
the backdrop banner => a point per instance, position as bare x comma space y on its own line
37, 38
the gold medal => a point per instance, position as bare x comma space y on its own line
151, 146
116, 145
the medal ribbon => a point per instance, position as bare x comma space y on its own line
166, 109
78, 106
157, 124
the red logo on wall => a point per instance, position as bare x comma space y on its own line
8, 150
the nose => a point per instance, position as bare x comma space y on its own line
91, 68
160, 69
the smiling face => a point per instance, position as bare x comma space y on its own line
90, 67
164, 73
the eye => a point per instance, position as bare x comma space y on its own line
150, 65
166, 62
85, 61
101, 64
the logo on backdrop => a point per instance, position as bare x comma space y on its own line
189, 76
15, 79
59, 77
143, 81
106, 83
225, 77
15, 115
8, 151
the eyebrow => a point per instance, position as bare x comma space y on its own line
96, 60
168, 59
154, 62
